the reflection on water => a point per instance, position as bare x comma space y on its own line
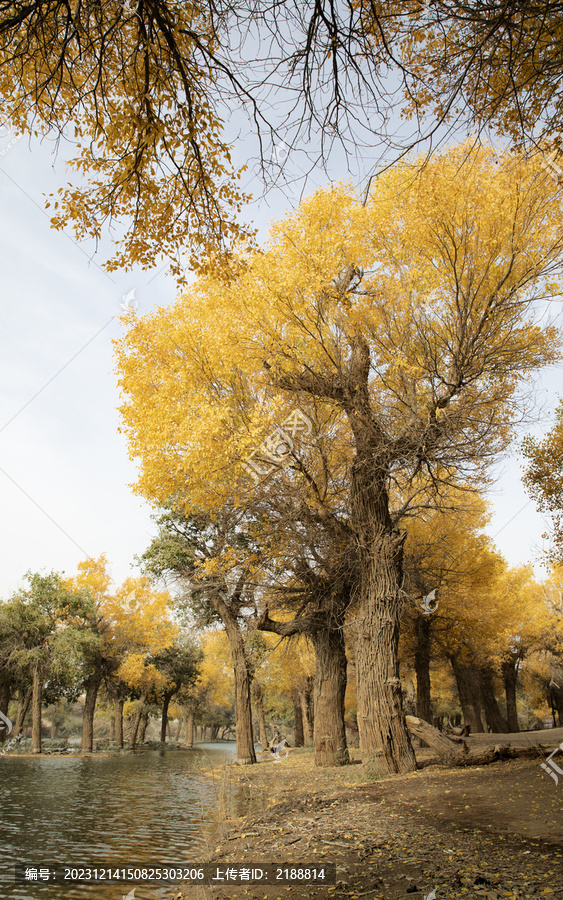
150, 808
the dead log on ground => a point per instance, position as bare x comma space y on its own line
452, 754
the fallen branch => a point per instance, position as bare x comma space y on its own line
452, 754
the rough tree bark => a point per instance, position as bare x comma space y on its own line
259, 707
495, 718
422, 667
243, 709
329, 731
509, 675
469, 691
458, 751
36, 710
381, 720
299, 739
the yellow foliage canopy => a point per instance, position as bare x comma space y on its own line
435, 276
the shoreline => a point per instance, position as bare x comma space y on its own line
494, 831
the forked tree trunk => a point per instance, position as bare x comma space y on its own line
329, 730
299, 739
493, 714
422, 667
92, 686
137, 721
381, 720
509, 675
36, 710
469, 690
23, 706
259, 707
119, 722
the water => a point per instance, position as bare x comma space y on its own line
151, 808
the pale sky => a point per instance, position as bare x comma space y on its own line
64, 470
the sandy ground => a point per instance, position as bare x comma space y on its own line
494, 831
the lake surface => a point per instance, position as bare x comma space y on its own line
150, 808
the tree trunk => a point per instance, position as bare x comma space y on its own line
509, 674
23, 706
299, 739
178, 730
137, 721
494, 716
144, 723
555, 699
243, 709
119, 721
164, 722
36, 710
5, 691
304, 696
381, 720
112, 729
448, 751
329, 730
189, 735
422, 667
92, 686
259, 707
469, 690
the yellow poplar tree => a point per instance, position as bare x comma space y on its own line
409, 321
133, 619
